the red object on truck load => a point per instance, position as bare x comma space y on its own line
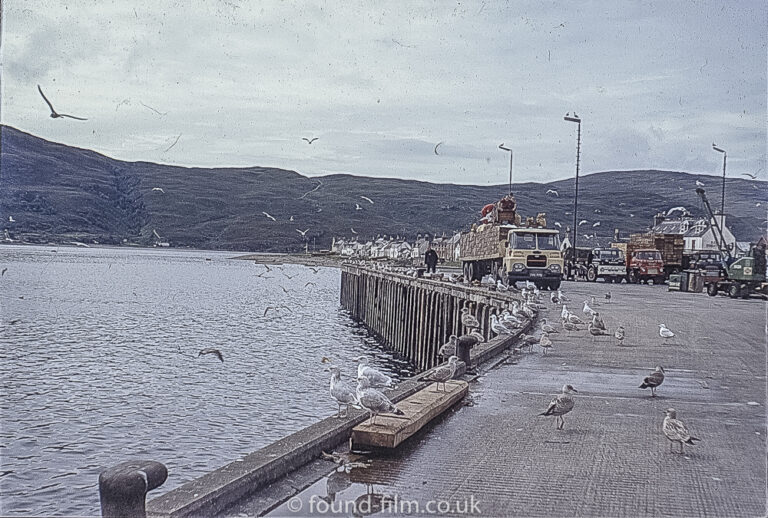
488, 208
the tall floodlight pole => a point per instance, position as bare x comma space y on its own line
577, 120
722, 198
511, 155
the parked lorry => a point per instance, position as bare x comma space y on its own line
510, 249
669, 246
605, 263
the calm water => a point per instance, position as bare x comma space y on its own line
98, 364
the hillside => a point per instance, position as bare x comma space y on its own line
57, 193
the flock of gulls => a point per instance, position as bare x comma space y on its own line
367, 394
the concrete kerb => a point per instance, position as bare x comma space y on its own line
215, 492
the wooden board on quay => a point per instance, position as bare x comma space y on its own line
419, 409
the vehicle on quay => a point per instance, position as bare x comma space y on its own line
509, 249
608, 264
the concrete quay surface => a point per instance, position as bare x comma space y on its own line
498, 457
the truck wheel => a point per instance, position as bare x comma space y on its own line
745, 292
712, 289
592, 274
733, 291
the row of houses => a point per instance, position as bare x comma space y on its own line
384, 247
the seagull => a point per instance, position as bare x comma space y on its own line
597, 321
309, 141
314, 269
664, 332
11, 220
211, 350
631, 215
358, 207
544, 342
373, 400
653, 380
619, 334
596, 224
436, 147
353, 230
673, 209
573, 319
596, 331
561, 405
444, 373
310, 282
587, 310
302, 232
448, 349
498, 328
159, 189
558, 225
269, 216
376, 378
54, 114
582, 222
750, 175
608, 296
3, 272
468, 319
342, 392
676, 431
552, 191
547, 328
570, 327
699, 184
366, 198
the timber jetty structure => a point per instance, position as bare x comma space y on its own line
415, 316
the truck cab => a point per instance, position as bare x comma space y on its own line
606, 263
645, 264
533, 254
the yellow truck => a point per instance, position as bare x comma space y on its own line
511, 250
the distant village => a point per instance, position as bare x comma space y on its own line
698, 234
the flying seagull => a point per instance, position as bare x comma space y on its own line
159, 189
269, 216
353, 230
750, 175
558, 225
309, 141
552, 191
54, 114
582, 222
11, 220
699, 184
302, 232
597, 224
436, 147
211, 350
358, 207
366, 198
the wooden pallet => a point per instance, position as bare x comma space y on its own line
419, 408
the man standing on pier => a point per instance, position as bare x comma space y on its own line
430, 259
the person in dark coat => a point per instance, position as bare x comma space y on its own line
430, 259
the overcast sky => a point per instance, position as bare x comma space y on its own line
381, 83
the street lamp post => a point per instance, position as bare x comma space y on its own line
511, 155
577, 120
722, 198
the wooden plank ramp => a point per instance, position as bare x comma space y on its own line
419, 409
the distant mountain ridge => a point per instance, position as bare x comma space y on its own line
57, 193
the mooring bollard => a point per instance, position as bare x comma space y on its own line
123, 488
463, 347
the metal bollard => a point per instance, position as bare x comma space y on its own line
463, 347
123, 488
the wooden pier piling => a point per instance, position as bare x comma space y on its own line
415, 316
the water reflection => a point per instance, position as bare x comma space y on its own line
101, 364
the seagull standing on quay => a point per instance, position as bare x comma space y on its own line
468, 319
374, 401
619, 334
545, 343
653, 380
444, 373
676, 431
664, 332
376, 378
54, 114
341, 391
561, 405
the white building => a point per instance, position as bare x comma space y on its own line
701, 235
